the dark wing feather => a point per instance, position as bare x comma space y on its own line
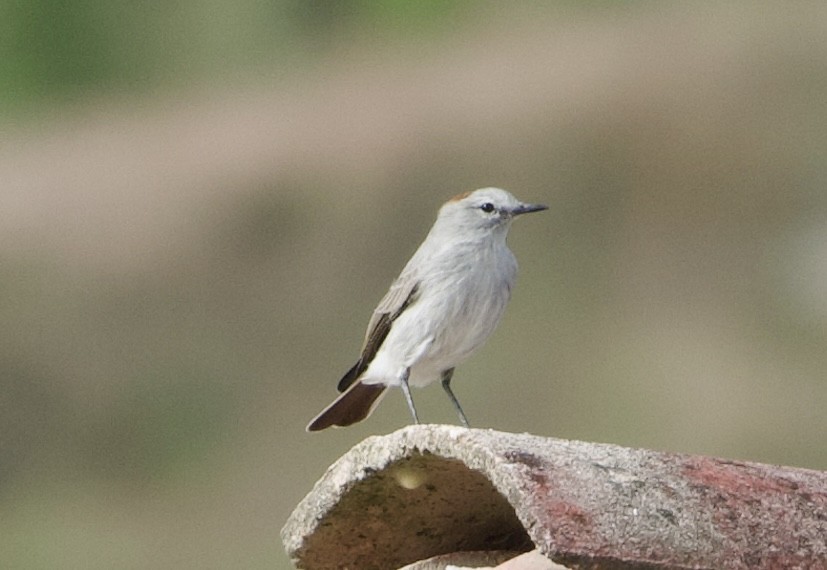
379, 327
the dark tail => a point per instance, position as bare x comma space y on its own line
353, 405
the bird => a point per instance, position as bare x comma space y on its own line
446, 302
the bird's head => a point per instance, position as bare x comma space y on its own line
482, 212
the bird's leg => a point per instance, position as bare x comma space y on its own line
407, 391
446, 385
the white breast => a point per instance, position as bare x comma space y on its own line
462, 297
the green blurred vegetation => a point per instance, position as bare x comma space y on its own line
202, 203
58, 51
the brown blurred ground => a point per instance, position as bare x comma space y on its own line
185, 278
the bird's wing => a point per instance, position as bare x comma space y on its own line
397, 299
402, 293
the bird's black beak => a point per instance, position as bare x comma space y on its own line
528, 208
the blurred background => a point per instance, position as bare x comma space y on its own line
202, 202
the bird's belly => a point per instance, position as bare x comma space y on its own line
441, 329
461, 330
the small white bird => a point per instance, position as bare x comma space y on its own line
442, 307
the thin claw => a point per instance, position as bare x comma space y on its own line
446, 385
407, 391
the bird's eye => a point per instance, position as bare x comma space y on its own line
488, 207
